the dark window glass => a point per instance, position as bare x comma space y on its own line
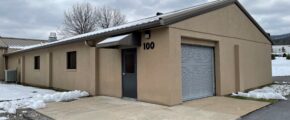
72, 60
37, 62
130, 63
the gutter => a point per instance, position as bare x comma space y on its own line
162, 21
96, 36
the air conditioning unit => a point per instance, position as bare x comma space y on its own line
10, 75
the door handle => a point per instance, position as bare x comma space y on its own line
123, 73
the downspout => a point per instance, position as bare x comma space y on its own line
94, 42
90, 43
5, 58
94, 69
5, 61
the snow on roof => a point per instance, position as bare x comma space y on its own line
131, 24
25, 47
114, 39
17, 47
149, 22
9, 42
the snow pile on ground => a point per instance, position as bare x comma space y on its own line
61, 96
1, 111
280, 67
15, 92
276, 91
14, 96
38, 101
3, 118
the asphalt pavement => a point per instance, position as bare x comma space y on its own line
277, 111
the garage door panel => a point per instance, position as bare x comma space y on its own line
197, 72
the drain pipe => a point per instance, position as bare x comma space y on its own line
5, 58
91, 43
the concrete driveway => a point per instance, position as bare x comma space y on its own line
108, 108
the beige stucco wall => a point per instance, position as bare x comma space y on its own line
110, 79
229, 27
156, 71
14, 63
38, 77
78, 79
53, 72
158, 75
255, 65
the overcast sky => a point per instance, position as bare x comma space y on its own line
37, 18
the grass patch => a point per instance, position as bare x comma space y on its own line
272, 101
260, 87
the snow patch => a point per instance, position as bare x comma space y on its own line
113, 39
280, 67
17, 47
38, 101
25, 47
1, 111
3, 118
272, 92
137, 23
16, 92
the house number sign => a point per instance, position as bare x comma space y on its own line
148, 45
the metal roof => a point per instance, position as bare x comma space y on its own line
17, 43
112, 41
151, 22
122, 41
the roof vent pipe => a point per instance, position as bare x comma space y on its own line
159, 13
52, 37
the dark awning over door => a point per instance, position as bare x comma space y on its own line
122, 41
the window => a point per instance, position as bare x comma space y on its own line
130, 63
72, 60
37, 62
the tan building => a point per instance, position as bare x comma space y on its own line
9, 44
213, 49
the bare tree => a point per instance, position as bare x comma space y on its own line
109, 17
80, 19
84, 18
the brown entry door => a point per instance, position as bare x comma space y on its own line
129, 73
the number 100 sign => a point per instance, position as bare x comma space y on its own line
148, 45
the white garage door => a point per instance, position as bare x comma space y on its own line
197, 72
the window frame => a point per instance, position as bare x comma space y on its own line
36, 62
71, 60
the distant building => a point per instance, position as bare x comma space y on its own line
14, 44
9, 44
281, 44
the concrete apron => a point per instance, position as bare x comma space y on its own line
108, 108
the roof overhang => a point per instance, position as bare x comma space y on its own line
122, 41
152, 22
